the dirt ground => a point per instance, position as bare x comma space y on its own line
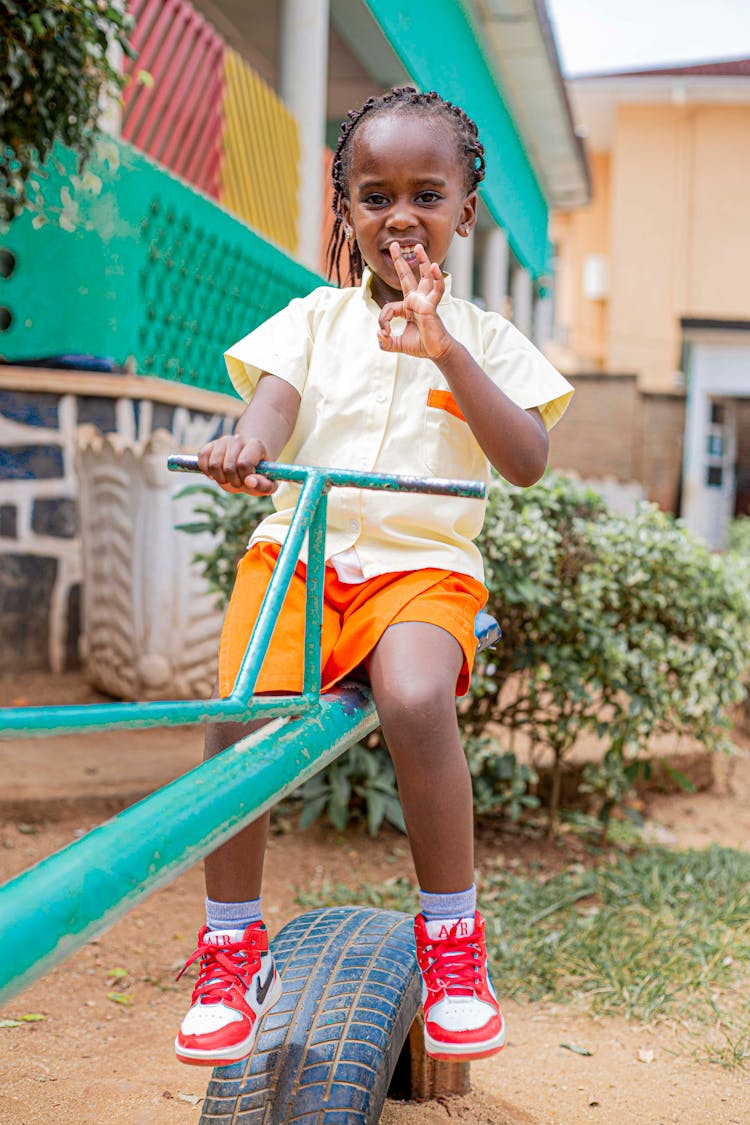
103, 1050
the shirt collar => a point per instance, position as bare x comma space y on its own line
366, 286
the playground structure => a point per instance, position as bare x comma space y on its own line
347, 1027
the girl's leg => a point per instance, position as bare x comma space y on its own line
238, 981
234, 871
413, 671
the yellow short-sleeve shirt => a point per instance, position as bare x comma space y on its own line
374, 411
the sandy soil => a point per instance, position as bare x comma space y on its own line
92, 1059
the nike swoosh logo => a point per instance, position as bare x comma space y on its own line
262, 989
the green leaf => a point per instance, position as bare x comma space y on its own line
338, 815
576, 1049
119, 998
679, 778
312, 810
376, 805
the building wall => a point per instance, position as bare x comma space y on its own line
719, 213
660, 445
648, 228
597, 435
615, 431
583, 235
671, 211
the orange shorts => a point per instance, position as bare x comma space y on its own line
354, 619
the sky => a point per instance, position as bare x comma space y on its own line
604, 35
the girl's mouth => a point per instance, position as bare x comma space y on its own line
407, 253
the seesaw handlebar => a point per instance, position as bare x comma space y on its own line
349, 478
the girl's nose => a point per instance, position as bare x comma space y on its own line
399, 217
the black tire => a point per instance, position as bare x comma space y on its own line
326, 1053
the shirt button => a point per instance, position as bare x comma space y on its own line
381, 397
363, 462
354, 526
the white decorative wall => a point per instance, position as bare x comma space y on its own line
150, 626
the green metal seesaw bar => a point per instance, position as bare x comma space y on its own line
55, 907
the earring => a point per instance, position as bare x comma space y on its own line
349, 233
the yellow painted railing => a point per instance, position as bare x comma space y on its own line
259, 175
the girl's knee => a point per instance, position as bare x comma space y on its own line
421, 700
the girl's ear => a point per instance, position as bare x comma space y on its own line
346, 211
468, 218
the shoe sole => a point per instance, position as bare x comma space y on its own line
465, 1052
238, 1051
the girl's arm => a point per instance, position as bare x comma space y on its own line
261, 433
514, 440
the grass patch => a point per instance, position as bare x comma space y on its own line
658, 935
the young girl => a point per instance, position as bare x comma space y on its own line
391, 374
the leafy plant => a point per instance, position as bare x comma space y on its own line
499, 781
362, 781
231, 517
54, 68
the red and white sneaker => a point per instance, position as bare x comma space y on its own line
462, 1018
238, 983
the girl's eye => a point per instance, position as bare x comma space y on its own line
376, 199
429, 197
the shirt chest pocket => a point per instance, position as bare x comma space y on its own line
448, 445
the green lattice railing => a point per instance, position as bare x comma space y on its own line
154, 273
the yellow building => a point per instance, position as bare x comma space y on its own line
652, 305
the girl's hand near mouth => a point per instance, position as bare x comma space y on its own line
425, 336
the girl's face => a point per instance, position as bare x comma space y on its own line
406, 183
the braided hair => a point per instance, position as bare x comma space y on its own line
400, 99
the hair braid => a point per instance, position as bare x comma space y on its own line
400, 99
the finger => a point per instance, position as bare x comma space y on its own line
387, 342
438, 280
258, 485
425, 265
405, 276
388, 313
218, 465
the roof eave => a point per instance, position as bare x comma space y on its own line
520, 47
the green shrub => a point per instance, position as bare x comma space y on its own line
738, 542
624, 626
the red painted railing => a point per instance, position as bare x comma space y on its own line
176, 114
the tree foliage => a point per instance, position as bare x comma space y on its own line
54, 68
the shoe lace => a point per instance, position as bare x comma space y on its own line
222, 967
452, 964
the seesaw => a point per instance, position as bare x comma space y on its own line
347, 1029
